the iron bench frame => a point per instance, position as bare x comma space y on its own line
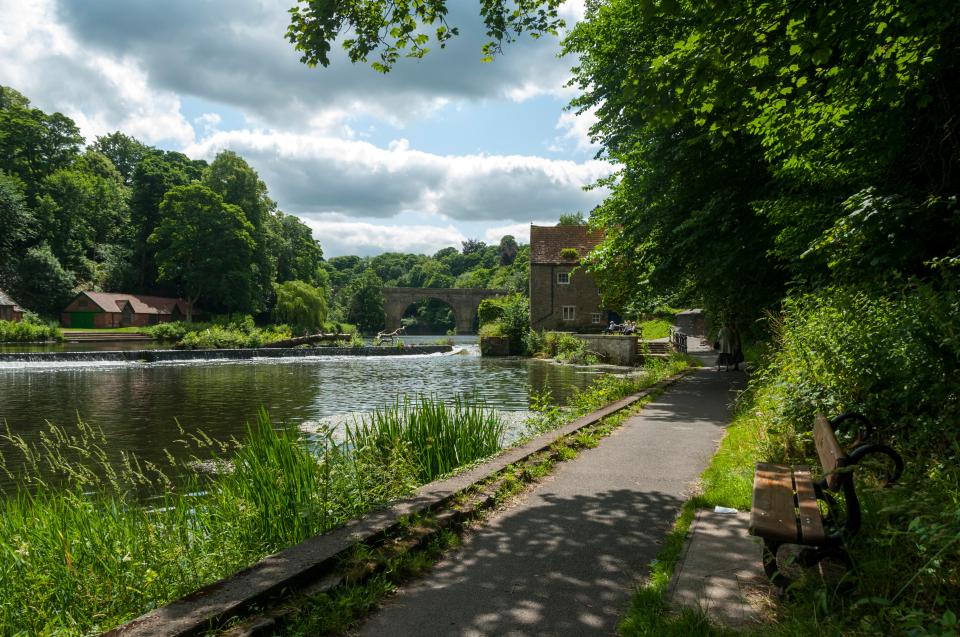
838, 467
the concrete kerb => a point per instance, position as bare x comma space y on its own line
299, 565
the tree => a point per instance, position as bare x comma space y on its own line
298, 254
365, 302
17, 222
740, 130
472, 246
155, 175
34, 144
42, 284
508, 249
238, 183
572, 219
124, 151
80, 209
396, 26
205, 248
301, 306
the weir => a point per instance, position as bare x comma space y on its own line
159, 355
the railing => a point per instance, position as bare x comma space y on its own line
679, 340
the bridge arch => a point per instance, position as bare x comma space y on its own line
463, 302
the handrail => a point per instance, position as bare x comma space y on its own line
679, 340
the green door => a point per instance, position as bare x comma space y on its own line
81, 319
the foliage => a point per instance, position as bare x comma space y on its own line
889, 355
81, 554
566, 348
42, 283
506, 316
28, 332
365, 304
205, 247
508, 250
233, 336
17, 221
434, 437
740, 127
401, 27
572, 219
569, 254
301, 306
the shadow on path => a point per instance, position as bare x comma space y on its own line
564, 558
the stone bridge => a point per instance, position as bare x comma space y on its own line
463, 302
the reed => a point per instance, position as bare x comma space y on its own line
88, 542
437, 438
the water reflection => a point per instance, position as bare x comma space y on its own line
137, 405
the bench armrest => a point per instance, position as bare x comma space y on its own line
868, 427
863, 451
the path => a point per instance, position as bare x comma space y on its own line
563, 560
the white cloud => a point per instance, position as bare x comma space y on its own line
318, 174
576, 128
101, 93
235, 54
340, 235
519, 231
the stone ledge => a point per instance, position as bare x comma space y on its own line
155, 355
294, 567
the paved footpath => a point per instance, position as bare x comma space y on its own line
563, 559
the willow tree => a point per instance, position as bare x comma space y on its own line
301, 306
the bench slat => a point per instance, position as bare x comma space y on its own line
811, 524
828, 449
773, 514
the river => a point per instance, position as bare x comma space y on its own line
138, 405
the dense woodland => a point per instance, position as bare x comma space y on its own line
118, 215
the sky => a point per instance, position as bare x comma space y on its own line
437, 151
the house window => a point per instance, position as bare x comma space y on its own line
596, 318
563, 278
568, 312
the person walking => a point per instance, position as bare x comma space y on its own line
725, 342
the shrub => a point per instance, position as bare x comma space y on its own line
28, 332
569, 254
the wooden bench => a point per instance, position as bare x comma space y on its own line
790, 508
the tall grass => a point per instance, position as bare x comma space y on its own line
436, 437
87, 542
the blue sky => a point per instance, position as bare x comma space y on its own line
435, 152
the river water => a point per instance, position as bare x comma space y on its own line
138, 405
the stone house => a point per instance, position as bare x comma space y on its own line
562, 296
9, 310
108, 309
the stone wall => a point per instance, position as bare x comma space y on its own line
614, 349
692, 323
547, 298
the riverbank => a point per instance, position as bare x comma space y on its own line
86, 563
161, 355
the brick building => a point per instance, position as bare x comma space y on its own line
563, 297
108, 309
9, 310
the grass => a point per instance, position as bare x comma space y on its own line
654, 328
333, 612
86, 545
436, 438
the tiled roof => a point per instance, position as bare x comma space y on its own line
546, 242
113, 302
6, 299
